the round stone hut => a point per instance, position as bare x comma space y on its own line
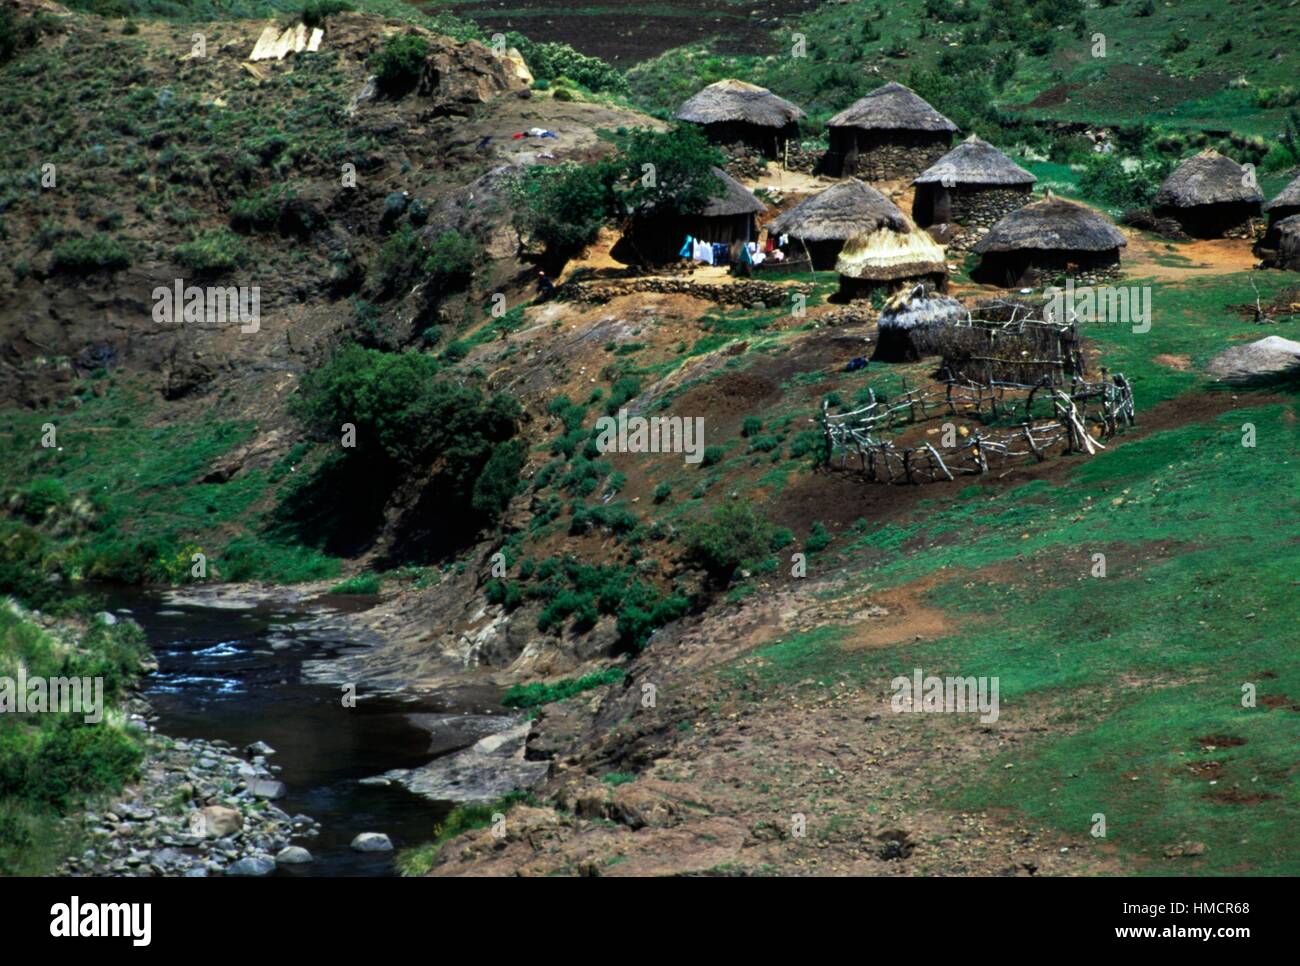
1210, 196
891, 133
735, 112
974, 185
1047, 238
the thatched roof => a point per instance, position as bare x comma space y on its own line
1052, 224
975, 162
885, 254
892, 107
733, 199
843, 210
1289, 198
1207, 179
735, 100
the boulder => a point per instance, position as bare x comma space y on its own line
266, 788
293, 855
372, 842
253, 865
215, 821
1267, 358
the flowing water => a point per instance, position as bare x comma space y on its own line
236, 675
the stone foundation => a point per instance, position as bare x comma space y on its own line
748, 292
883, 155
973, 210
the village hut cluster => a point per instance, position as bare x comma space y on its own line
970, 197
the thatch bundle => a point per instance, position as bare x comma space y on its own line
1208, 179
1286, 204
1052, 224
735, 101
975, 162
910, 324
886, 255
892, 107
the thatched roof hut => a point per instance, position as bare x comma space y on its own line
729, 216
974, 183
1209, 195
1050, 235
910, 322
733, 111
824, 222
888, 258
1286, 204
890, 133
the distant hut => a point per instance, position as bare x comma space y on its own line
729, 216
888, 259
732, 112
1049, 237
1284, 205
973, 185
1210, 196
824, 222
890, 133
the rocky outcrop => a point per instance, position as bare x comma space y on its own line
459, 76
488, 769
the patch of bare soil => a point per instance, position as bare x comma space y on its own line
1148, 256
740, 776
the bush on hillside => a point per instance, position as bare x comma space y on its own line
212, 252
96, 253
734, 537
399, 63
549, 61
564, 206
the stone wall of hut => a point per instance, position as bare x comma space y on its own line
1227, 220
976, 208
883, 155
749, 292
1039, 268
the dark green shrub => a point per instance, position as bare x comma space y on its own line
400, 62
96, 253
315, 12
213, 252
734, 537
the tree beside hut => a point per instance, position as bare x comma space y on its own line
1047, 238
728, 216
823, 223
1210, 196
974, 185
735, 112
890, 133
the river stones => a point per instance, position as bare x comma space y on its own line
253, 865
372, 842
216, 821
266, 788
293, 855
